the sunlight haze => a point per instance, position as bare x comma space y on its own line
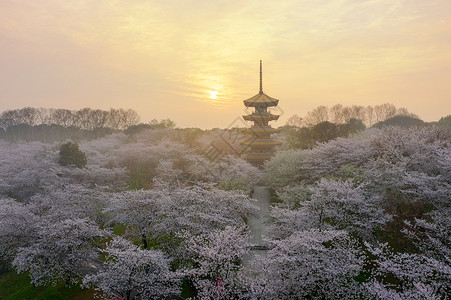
196, 61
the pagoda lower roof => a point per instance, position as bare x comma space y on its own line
262, 142
260, 100
260, 117
262, 129
258, 156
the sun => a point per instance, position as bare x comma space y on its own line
213, 94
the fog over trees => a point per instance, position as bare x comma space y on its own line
144, 211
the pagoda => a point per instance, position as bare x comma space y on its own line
260, 143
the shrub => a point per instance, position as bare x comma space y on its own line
70, 155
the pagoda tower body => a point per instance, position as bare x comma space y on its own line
260, 143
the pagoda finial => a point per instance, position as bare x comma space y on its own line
261, 80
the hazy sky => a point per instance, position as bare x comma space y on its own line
169, 58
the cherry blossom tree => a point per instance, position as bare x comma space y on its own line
133, 273
139, 210
27, 169
283, 168
73, 201
217, 258
346, 205
165, 213
383, 184
312, 263
18, 228
62, 251
418, 276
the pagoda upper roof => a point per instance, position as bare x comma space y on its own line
262, 100
261, 117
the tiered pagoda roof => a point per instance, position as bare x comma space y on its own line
261, 117
261, 100
260, 143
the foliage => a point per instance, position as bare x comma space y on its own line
340, 114
70, 155
307, 137
311, 263
391, 185
129, 269
31, 170
85, 118
62, 251
18, 228
154, 124
445, 121
282, 168
165, 214
360, 217
217, 256
401, 121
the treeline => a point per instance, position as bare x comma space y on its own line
339, 114
84, 119
51, 125
308, 137
57, 133
50, 133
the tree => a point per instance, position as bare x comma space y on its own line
70, 155
133, 273
351, 127
307, 137
85, 118
18, 228
401, 121
339, 114
390, 185
345, 205
63, 117
310, 264
324, 131
27, 169
62, 251
283, 168
154, 124
167, 215
316, 116
294, 120
217, 257
420, 276
445, 121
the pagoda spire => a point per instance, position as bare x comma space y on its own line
261, 76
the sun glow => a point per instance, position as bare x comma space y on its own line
213, 94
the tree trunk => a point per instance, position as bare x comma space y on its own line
68, 280
144, 240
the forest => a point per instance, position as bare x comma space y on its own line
96, 202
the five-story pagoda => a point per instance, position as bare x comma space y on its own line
260, 142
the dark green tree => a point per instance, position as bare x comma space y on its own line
70, 155
445, 121
400, 121
307, 137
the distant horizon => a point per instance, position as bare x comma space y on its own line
233, 123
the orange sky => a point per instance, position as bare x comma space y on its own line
168, 59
